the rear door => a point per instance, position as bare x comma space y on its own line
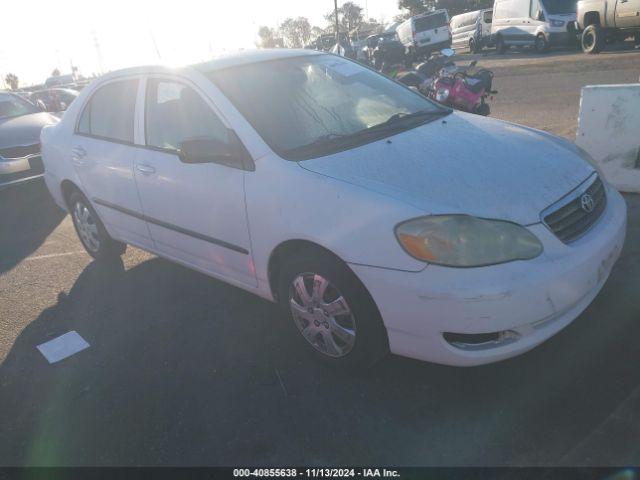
195, 211
628, 13
431, 29
103, 153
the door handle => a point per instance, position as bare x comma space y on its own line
77, 155
146, 169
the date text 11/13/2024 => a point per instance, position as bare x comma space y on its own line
316, 472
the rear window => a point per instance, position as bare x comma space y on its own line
110, 111
430, 22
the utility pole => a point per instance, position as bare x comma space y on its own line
155, 45
335, 8
96, 44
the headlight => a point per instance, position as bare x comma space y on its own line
442, 94
557, 23
466, 241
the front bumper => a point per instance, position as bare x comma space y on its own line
562, 39
531, 300
19, 170
428, 49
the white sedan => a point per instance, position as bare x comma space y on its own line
379, 220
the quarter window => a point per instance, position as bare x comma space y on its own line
110, 111
175, 113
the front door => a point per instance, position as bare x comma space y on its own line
195, 211
628, 13
103, 154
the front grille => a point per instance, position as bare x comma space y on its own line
571, 220
19, 152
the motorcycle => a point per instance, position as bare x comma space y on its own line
442, 80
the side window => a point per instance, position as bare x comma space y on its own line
110, 112
175, 113
487, 16
535, 6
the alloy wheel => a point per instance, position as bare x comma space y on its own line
322, 315
86, 226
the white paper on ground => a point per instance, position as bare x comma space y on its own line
63, 346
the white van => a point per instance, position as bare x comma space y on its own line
537, 23
425, 33
471, 30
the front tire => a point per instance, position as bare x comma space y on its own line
541, 45
592, 39
331, 311
501, 47
91, 232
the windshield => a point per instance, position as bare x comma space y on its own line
320, 104
430, 22
554, 7
14, 106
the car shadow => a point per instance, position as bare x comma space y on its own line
186, 370
28, 215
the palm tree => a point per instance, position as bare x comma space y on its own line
12, 80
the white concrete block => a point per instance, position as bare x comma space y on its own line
609, 130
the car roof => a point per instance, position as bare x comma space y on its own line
252, 56
217, 63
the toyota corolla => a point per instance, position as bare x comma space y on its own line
379, 220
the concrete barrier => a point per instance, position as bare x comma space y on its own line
609, 130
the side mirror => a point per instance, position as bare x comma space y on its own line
540, 15
213, 150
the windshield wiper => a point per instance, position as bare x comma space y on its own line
401, 116
340, 139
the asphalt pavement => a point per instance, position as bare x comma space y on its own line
185, 370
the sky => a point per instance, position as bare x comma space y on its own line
42, 35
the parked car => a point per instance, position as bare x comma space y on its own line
538, 23
20, 125
54, 99
472, 30
425, 33
607, 20
59, 80
379, 220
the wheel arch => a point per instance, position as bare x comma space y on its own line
286, 249
67, 187
591, 18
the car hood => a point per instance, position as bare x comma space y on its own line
23, 130
464, 163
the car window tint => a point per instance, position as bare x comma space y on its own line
110, 111
175, 113
430, 21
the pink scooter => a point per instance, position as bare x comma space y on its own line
441, 80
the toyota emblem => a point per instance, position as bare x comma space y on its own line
587, 203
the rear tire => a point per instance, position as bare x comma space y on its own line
592, 39
472, 46
91, 232
310, 287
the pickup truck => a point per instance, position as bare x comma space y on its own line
606, 21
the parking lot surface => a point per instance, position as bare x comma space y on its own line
185, 370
